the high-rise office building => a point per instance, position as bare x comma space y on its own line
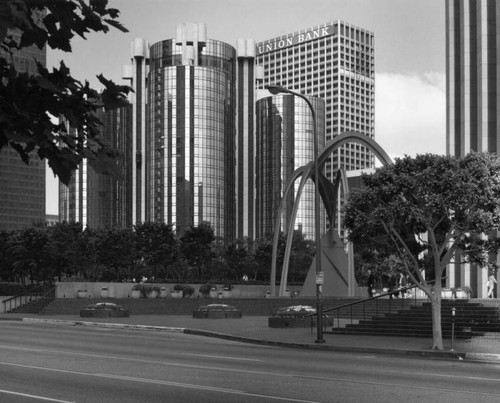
335, 62
98, 200
178, 137
284, 142
184, 131
472, 98
197, 153
137, 74
22, 187
472, 92
247, 77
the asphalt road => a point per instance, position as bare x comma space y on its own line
62, 363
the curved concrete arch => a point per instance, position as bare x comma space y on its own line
325, 187
299, 172
354, 137
306, 174
340, 181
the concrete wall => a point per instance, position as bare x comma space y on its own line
123, 290
2, 306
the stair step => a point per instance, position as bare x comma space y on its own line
471, 319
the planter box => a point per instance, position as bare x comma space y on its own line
152, 294
447, 294
177, 294
217, 315
298, 321
82, 294
104, 310
461, 294
104, 313
217, 311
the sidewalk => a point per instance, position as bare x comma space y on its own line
254, 329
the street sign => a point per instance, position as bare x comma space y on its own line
320, 278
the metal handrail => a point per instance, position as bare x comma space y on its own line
364, 301
37, 296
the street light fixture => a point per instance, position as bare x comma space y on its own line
276, 89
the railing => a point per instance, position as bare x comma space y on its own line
37, 298
394, 303
390, 305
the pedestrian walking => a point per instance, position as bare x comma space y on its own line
491, 285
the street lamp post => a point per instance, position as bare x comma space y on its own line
276, 89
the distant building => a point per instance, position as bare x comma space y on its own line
51, 219
22, 187
284, 143
190, 138
200, 143
335, 62
97, 200
472, 100
247, 77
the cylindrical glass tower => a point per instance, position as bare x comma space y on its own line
191, 132
284, 143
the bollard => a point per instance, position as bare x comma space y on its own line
452, 328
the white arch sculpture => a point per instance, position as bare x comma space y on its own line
326, 190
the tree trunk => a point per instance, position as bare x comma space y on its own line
437, 333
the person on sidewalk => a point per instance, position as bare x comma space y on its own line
393, 286
402, 284
370, 283
491, 286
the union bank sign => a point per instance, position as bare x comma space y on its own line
293, 40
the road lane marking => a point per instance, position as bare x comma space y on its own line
218, 368
402, 385
233, 391
159, 382
201, 387
225, 357
46, 399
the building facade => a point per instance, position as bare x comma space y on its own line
136, 73
191, 132
22, 187
200, 145
284, 142
473, 99
98, 200
335, 62
247, 77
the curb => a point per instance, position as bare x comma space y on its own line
433, 354
326, 347
104, 324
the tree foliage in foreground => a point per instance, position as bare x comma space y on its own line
430, 209
29, 103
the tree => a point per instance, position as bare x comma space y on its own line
301, 257
429, 209
116, 251
6, 261
238, 260
28, 250
156, 244
196, 246
29, 103
62, 248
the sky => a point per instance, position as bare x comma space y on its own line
409, 53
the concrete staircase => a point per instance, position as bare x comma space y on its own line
472, 318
